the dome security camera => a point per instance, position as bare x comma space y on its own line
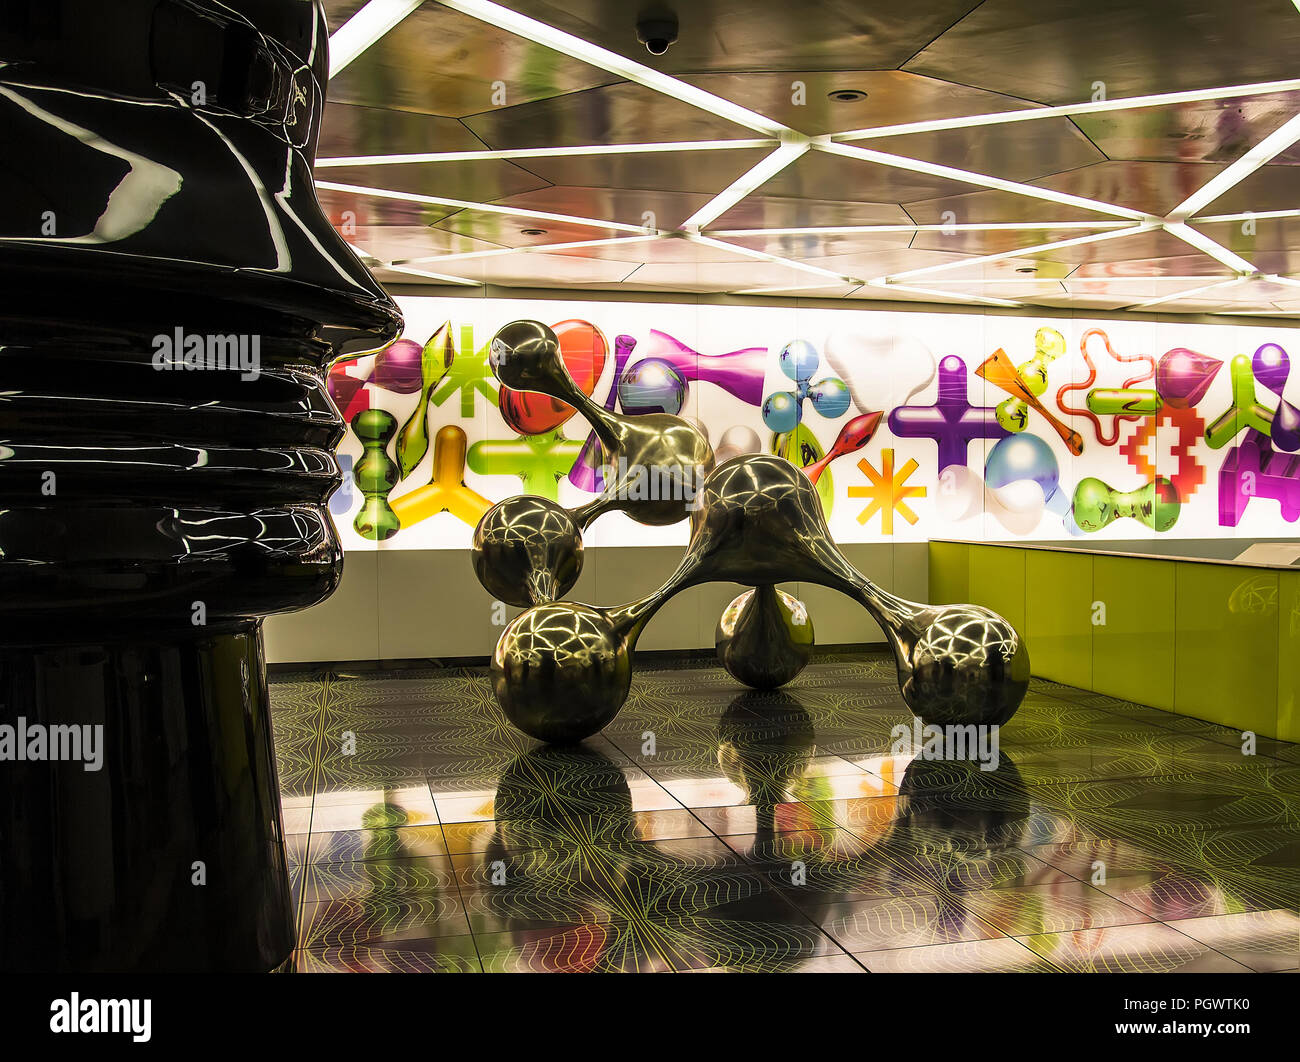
657, 32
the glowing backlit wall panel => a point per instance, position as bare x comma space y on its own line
991, 427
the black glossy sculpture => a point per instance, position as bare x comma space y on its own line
172, 295
561, 670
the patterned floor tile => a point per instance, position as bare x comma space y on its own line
710, 828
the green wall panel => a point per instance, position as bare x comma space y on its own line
1288, 657
1133, 651
997, 581
949, 573
1226, 645
1058, 615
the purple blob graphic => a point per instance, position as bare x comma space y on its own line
652, 385
952, 422
1272, 366
739, 372
398, 369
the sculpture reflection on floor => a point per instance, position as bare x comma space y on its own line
562, 670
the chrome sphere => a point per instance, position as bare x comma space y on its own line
561, 671
968, 666
527, 551
764, 638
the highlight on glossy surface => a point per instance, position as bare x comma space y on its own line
446, 492
853, 436
375, 475
1097, 504
952, 421
1049, 344
999, 371
1183, 376
1104, 437
1272, 367
582, 350
195, 219
1246, 411
436, 358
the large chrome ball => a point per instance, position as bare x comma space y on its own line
764, 638
968, 666
527, 551
561, 671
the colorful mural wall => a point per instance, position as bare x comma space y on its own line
912, 425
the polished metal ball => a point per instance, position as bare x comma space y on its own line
527, 551
561, 671
968, 666
764, 638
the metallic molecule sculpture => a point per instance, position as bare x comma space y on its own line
562, 669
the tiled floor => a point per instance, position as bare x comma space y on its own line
709, 828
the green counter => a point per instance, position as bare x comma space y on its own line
1208, 639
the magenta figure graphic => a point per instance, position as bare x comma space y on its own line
952, 422
739, 372
1253, 469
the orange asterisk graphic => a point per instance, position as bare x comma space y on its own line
888, 491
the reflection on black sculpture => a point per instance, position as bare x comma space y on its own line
561, 670
173, 293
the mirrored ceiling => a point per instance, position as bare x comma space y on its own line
1106, 155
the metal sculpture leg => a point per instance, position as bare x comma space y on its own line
764, 638
527, 550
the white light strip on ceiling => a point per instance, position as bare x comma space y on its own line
535, 248
1208, 246
542, 153
1188, 293
999, 280
1247, 215
487, 208
577, 48
797, 287
746, 183
433, 276
948, 295
1273, 278
775, 259
1022, 252
1097, 107
364, 28
1187, 279
1262, 153
983, 180
850, 230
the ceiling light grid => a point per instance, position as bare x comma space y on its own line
378, 17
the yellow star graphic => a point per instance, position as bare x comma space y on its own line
886, 486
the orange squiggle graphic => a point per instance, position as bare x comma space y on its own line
1102, 437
